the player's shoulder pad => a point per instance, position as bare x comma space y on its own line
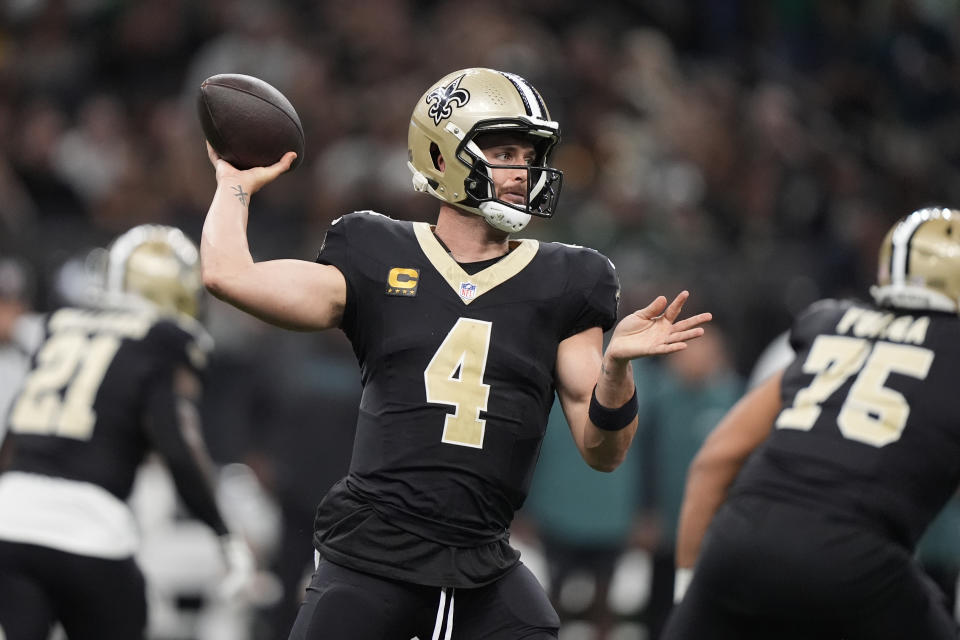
588, 276
577, 254
819, 317
357, 228
364, 219
185, 338
369, 214
584, 265
825, 307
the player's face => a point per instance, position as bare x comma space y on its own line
506, 149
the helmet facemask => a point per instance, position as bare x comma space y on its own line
543, 183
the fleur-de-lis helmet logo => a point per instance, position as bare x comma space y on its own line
443, 98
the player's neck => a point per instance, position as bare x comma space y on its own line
468, 236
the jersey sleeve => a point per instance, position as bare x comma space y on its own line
599, 293
174, 433
174, 343
814, 320
336, 251
171, 416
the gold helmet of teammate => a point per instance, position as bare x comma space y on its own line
447, 122
156, 263
919, 265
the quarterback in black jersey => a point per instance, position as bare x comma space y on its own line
463, 337
108, 385
831, 470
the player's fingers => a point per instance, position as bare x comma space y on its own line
653, 309
222, 167
676, 306
281, 165
692, 321
672, 347
213, 155
684, 336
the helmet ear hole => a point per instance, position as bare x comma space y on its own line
436, 156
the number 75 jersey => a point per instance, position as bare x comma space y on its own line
870, 425
458, 369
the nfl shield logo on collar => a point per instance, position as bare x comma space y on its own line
468, 290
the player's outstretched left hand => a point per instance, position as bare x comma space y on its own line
654, 330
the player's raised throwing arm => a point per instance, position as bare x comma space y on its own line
596, 388
294, 294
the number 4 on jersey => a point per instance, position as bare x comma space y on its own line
455, 377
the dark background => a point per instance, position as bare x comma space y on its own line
754, 152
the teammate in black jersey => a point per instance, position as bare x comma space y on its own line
855, 448
463, 336
108, 385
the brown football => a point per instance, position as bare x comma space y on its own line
247, 121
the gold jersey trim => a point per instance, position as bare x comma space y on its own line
482, 281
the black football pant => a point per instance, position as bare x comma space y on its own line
772, 570
93, 598
342, 604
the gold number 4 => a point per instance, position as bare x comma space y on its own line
871, 413
455, 377
71, 366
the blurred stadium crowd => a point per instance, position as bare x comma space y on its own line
752, 151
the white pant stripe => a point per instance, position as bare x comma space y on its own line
449, 633
439, 623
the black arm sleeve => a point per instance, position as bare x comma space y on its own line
165, 425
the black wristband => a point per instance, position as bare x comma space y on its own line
613, 419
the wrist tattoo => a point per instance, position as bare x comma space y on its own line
241, 194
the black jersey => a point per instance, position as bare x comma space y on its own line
869, 430
458, 379
82, 412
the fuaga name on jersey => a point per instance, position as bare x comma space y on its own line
883, 325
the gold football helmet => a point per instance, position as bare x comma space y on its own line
446, 122
919, 264
156, 263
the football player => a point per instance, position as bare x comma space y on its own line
462, 335
108, 385
855, 448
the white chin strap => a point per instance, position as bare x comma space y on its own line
500, 216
